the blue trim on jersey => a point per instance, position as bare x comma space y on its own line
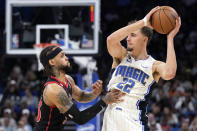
140, 117
137, 104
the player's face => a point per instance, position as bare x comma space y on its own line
62, 61
135, 40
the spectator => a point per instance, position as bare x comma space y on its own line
30, 118
154, 126
186, 103
8, 121
11, 93
32, 101
193, 126
185, 125
156, 110
23, 124
169, 117
16, 75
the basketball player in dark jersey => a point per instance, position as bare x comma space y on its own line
56, 105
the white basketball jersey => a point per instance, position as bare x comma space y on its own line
134, 77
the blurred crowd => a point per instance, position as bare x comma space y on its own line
173, 104
19, 100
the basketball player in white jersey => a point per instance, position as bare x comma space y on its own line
135, 72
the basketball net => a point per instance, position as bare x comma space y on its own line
38, 48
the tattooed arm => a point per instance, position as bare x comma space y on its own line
54, 95
83, 96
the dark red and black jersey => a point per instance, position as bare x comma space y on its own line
49, 118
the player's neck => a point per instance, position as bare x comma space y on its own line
141, 55
61, 76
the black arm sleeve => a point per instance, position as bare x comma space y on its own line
81, 117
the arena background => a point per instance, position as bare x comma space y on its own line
173, 104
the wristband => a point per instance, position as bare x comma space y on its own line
145, 21
81, 117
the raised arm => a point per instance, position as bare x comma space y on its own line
167, 70
113, 41
114, 46
84, 96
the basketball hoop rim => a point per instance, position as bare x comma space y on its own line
43, 45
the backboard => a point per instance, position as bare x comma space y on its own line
74, 24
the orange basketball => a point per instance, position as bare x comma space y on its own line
164, 20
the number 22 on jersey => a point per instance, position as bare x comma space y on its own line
126, 85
